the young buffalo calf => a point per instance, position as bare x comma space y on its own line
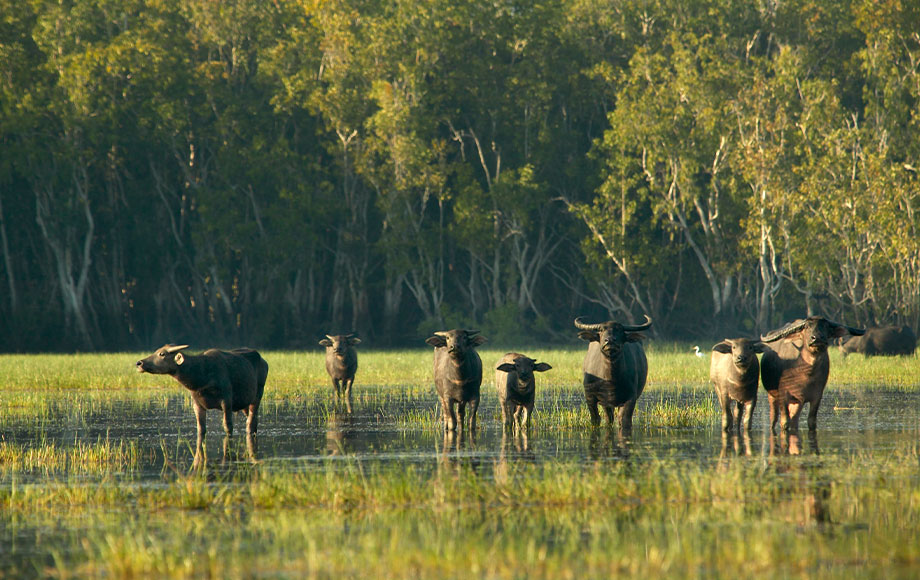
341, 361
229, 381
735, 374
516, 387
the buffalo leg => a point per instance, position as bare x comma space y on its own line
747, 415
726, 405
227, 410
592, 402
595, 415
450, 419
201, 415
793, 410
508, 414
252, 419
813, 414
474, 409
347, 383
528, 413
774, 415
337, 387
609, 412
626, 415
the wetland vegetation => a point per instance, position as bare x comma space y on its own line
95, 477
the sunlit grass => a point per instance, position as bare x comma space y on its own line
663, 516
51, 458
84, 511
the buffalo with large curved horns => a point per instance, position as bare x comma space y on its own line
794, 371
615, 368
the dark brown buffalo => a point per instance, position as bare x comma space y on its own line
457, 374
794, 371
229, 381
514, 381
341, 361
882, 341
615, 369
735, 374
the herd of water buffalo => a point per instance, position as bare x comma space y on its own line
793, 369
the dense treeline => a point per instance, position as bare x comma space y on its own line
258, 172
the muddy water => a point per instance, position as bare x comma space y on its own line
384, 426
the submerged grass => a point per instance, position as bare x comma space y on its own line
785, 516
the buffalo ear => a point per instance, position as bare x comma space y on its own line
478, 339
541, 367
506, 367
725, 348
354, 341
437, 341
634, 337
589, 335
179, 358
325, 342
759, 347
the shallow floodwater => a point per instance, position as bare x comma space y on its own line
386, 427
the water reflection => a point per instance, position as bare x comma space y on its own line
608, 442
339, 430
736, 443
389, 426
806, 484
790, 443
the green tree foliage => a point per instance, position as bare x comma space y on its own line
267, 172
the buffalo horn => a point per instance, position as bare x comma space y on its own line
644, 326
175, 348
595, 327
783, 332
852, 330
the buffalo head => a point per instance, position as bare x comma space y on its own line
457, 341
340, 343
611, 335
743, 350
165, 361
525, 367
815, 332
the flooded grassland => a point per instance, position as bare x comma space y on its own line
95, 477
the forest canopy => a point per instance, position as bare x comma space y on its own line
265, 172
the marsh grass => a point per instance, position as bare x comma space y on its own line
786, 516
76, 508
49, 458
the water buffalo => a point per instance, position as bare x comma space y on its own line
457, 374
341, 361
615, 369
881, 341
229, 381
735, 374
514, 381
795, 370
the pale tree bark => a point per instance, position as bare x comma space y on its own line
8, 261
72, 268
